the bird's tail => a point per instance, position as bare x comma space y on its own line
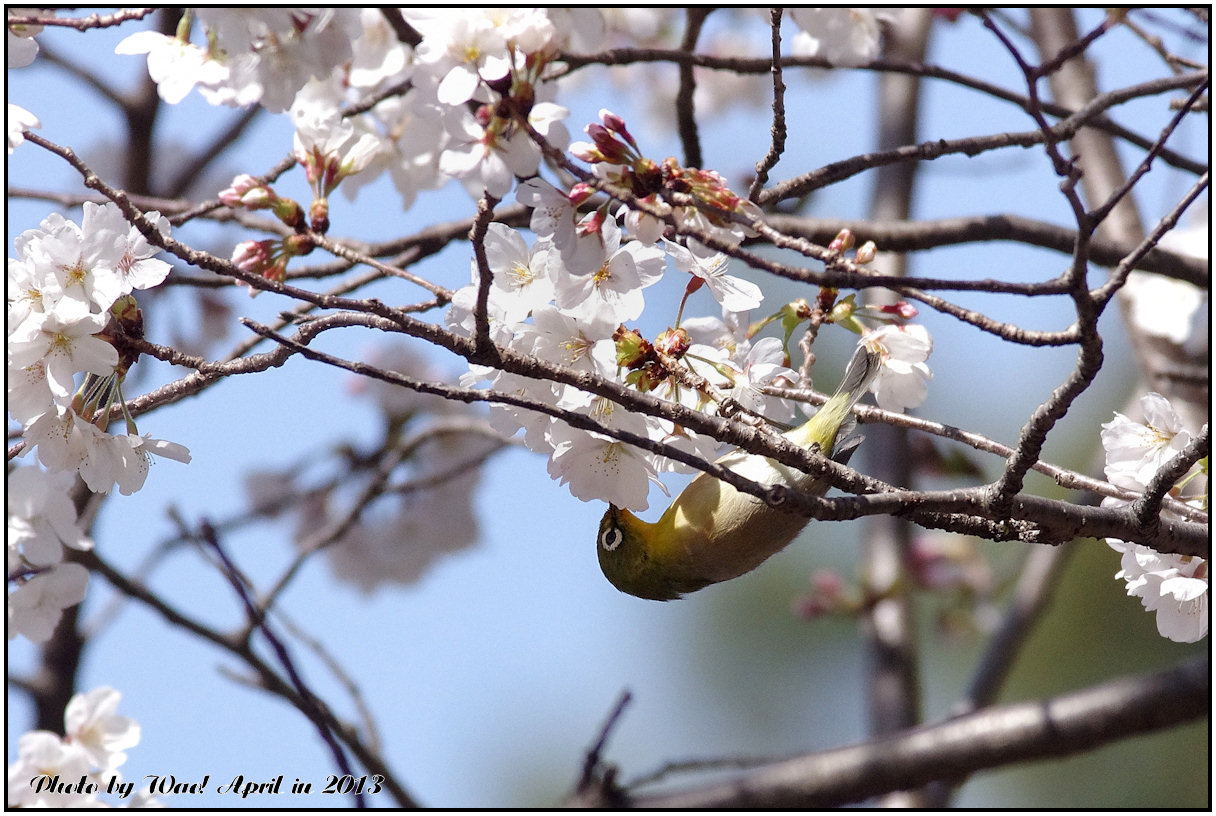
859, 374
835, 418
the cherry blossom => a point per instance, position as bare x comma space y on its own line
41, 517
595, 466
72, 286
1173, 586
379, 55
44, 752
521, 274
20, 47
137, 267
462, 49
902, 382
18, 120
733, 293
124, 460
461, 315
1175, 310
411, 138
78, 263
272, 53
92, 724
1135, 451
844, 36
488, 156
614, 289
327, 145
583, 343
35, 606
91, 750
553, 215
763, 366
175, 65
65, 342
372, 555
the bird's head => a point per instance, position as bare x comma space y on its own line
631, 553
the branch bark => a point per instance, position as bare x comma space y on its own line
992, 738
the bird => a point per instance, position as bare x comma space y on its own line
713, 532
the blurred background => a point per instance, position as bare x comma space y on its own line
490, 677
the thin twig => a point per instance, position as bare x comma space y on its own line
268, 679
778, 127
311, 705
751, 65
594, 778
1027, 518
81, 23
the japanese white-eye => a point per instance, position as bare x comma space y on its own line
713, 532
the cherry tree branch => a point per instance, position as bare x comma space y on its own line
990, 738
891, 236
899, 757
907, 236
748, 65
266, 677
1028, 518
950, 511
81, 23
1147, 508
778, 129
686, 119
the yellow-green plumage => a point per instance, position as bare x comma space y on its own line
713, 532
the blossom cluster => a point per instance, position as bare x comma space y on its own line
468, 93
471, 101
567, 298
71, 771
475, 100
1173, 586
68, 299
256, 55
465, 97
465, 105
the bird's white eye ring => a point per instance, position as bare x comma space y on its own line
611, 538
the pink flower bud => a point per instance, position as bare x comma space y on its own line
902, 309
579, 193
616, 124
318, 215
253, 256
586, 151
611, 150
866, 252
843, 240
248, 193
